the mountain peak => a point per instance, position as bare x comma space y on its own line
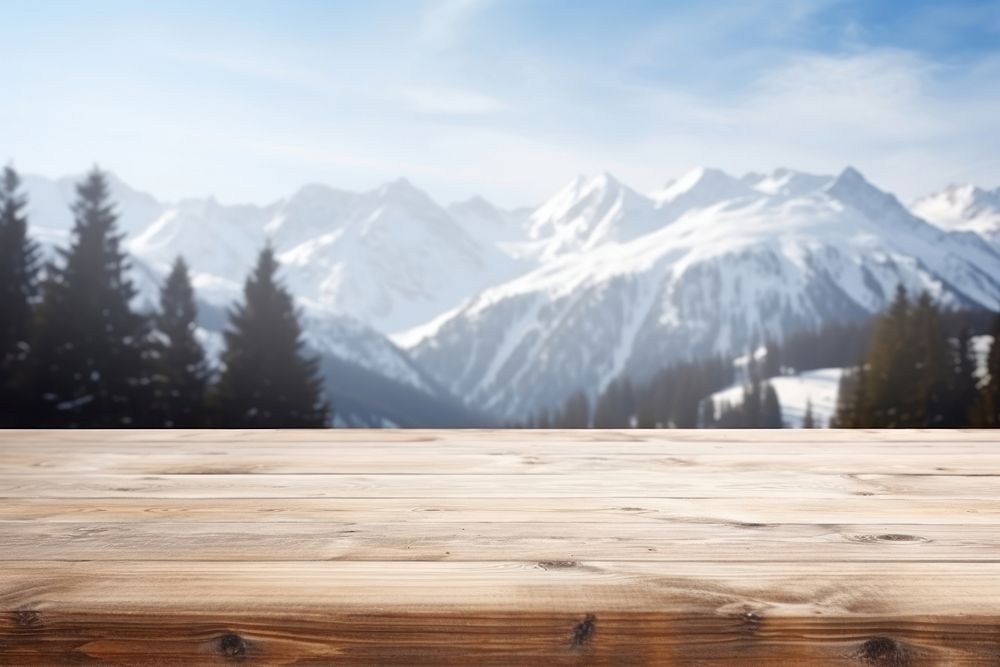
400, 184
699, 187
784, 182
403, 191
699, 178
606, 180
851, 175
962, 207
475, 207
853, 189
850, 183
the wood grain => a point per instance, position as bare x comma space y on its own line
500, 547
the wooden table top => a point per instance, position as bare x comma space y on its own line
500, 547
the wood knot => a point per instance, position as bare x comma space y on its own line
584, 630
232, 646
887, 537
556, 564
751, 621
883, 651
897, 537
27, 618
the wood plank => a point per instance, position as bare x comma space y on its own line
547, 545
681, 483
500, 547
367, 459
854, 509
897, 613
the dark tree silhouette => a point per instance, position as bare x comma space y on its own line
91, 366
18, 273
182, 374
267, 381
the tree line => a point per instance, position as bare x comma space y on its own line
74, 352
918, 374
912, 366
671, 398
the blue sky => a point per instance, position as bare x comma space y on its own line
509, 99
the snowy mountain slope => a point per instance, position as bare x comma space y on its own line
396, 261
787, 183
963, 208
716, 280
697, 189
489, 224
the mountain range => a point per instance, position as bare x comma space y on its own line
412, 304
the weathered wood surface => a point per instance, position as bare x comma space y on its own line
505, 548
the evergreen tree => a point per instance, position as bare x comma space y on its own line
987, 410
961, 393
913, 376
808, 421
267, 381
772, 360
18, 269
925, 383
771, 409
91, 363
576, 412
890, 364
182, 371
752, 403
616, 405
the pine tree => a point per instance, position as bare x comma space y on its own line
890, 363
772, 360
770, 414
575, 412
913, 376
91, 368
267, 381
18, 272
182, 371
809, 421
961, 393
925, 383
987, 410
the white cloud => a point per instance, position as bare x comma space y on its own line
452, 101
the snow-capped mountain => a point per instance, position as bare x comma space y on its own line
963, 208
375, 231
396, 260
390, 257
767, 256
515, 309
